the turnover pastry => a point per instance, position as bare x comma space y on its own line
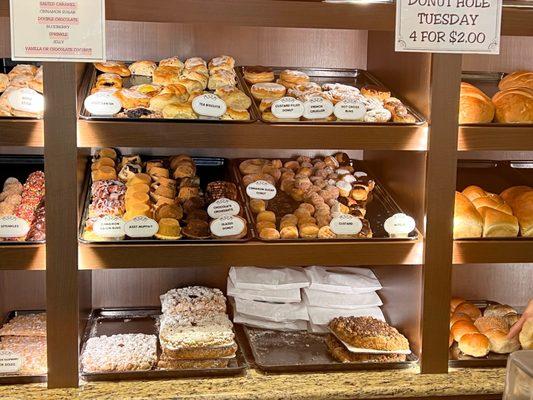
113, 67
143, 68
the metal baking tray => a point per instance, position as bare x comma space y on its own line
19, 167
7, 65
379, 206
209, 169
112, 321
495, 177
487, 82
21, 379
353, 77
492, 360
89, 81
301, 351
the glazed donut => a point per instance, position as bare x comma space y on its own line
114, 67
289, 232
294, 76
267, 90
258, 74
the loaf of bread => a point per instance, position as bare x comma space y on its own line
526, 335
475, 107
514, 105
510, 194
496, 330
517, 79
520, 198
467, 222
498, 224
473, 192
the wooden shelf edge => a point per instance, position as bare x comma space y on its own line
28, 133
505, 138
492, 252
249, 253
24, 257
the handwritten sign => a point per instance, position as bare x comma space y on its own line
448, 26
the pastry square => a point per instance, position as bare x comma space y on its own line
193, 300
25, 325
120, 353
31, 349
170, 364
339, 352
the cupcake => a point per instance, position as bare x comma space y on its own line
169, 229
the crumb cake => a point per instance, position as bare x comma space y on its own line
31, 349
25, 325
172, 364
339, 352
193, 300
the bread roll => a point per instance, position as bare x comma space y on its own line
475, 107
461, 328
456, 317
498, 224
455, 302
514, 105
469, 309
526, 335
498, 310
517, 79
523, 210
474, 344
467, 222
499, 343
485, 324
510, 194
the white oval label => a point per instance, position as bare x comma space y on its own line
109, 226
223, 207
103, 103
352, 110
141, 227
13, 227
227, 226
261, 190
317, 108
399, 225
360, 174
209, 105
10, 362
27, 100
346, 224
287, 107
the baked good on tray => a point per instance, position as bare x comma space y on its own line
166, 363
339, 352
32, 350
193, 300
475, 107
25, 325
514, 105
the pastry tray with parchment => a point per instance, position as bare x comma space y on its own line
209, 169
7, 65
301, 351
18, 379
379, 206
353, 77
89, 81
113, 321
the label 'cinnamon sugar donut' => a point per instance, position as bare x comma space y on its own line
262, 190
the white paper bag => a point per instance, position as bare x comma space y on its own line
342, 279
313, 328
320, 298
268, 278
271, 295
277, 312
276, 326
322, 316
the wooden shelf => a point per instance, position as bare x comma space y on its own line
251, 253
253, 136
492, 251
487, 137
24, 257
21, 132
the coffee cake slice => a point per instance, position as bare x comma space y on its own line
193, 300
339, 352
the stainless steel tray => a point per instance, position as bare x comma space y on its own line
209, 169
7, 65
354, 77
21, 379
112, 321
90, 79
300, 351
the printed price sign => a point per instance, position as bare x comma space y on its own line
288, 107
399, 225
317, 108
13, 227
448, 26
102, 103
261, 190
109, 227
350, 110
223, 207
346, 224
10, 363
69, 30
209, 105
141, 227
227, 226
27, 100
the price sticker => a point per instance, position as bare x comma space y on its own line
209, 105
287, 108
317, 108
141, 227
399, 225
13, 227
346, 224
27, 100
261, 190
10, 362
109, 226
223, 207
350, 110
103, 103
227, 226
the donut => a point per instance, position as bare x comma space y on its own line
267, 90
252, 166
294, 76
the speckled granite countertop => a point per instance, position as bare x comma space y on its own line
257, 386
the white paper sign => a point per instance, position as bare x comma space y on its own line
448, 26
350, 110
109, 227
13, 227
102, 103
261, 190
227, 226
399, 225
141, 227
209, 105
346, 224
287, 107
223, 207
317, 108
70, 30
10, 362
27, 100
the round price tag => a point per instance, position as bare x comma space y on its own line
109, 227
317, 108
102, 103
141, 227
27, 100
13, 227
346, 224
227, 226
287, 107
223, 207
399, 225
9, 362
350, 110
209, 105
261, 190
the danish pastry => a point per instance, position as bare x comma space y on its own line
114, 67
143, 68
